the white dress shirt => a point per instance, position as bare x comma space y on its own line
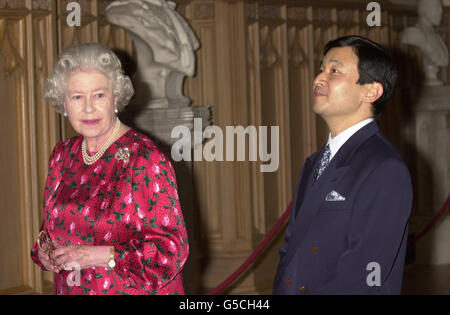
337, 142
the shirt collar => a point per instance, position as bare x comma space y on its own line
338, 141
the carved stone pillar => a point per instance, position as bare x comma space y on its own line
432, 173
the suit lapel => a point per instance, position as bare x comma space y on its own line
304, 185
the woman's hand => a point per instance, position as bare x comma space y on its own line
80, 257
46, 261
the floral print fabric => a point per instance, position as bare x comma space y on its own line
131, 204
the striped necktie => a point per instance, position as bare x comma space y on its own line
324, 161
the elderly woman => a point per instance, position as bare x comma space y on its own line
112, 223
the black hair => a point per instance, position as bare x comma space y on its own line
374, 65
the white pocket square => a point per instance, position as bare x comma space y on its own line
334, 196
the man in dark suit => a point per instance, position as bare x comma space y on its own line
348, 225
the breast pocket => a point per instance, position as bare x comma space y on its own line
336, 206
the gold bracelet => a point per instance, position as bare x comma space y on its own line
111, 261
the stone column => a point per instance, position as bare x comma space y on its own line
432, 173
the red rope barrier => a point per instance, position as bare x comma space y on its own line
254, 255
432, 222
278, 225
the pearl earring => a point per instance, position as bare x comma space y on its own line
116, 111
65, 114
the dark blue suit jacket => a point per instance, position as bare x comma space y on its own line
331, 246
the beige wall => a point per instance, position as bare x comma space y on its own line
255, 67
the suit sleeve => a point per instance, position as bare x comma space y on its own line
288, 232
377, 232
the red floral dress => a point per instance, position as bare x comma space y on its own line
131, 204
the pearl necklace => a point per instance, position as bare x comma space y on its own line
92, 159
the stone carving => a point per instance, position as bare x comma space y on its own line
12, 4
13, 62
269, 12
298, 14
296, 55
425, 36
432, 171
41, 4
268, 52
165, 47
204, 11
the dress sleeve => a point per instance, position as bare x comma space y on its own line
158, 246
50, 186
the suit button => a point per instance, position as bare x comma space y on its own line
288, 281
302, 288
314, 249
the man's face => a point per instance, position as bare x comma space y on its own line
336, 93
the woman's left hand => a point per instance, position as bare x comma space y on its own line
80, 257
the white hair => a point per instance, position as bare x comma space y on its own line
87, 57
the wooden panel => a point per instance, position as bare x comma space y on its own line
275, 106
10, 234
301, 70
16, 191
29, 130
203, 91
254, 103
